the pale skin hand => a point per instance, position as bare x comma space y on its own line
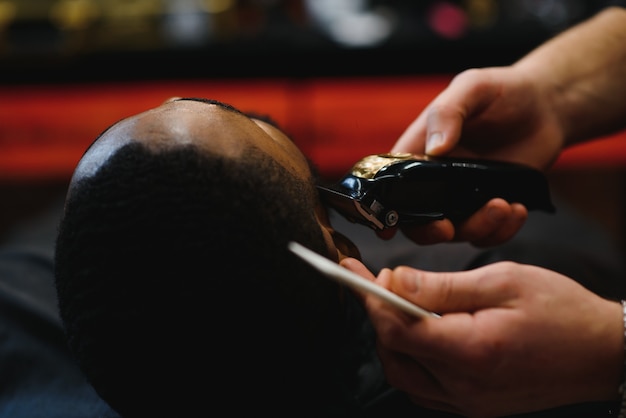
503, 115
502, 118
568, 90
513, 338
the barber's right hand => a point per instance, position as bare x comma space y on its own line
497, 113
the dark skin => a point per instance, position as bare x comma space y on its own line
214, 126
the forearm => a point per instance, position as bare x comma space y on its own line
583, 72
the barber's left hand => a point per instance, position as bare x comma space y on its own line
512, 338
493, 224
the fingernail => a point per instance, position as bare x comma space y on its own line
434, 140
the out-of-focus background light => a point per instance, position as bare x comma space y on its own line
178, 38
447, 20
353, 23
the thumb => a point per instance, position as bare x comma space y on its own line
443, 129
445, 292
413, 138
437, 129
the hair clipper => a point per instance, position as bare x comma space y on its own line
387, 190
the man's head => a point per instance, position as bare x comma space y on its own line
175, 284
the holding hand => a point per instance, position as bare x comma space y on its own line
512, 338
493, 113
570, 89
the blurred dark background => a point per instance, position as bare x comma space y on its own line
83, 40
56, 53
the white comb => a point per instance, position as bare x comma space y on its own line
353, 280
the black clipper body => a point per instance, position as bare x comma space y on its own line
387, 190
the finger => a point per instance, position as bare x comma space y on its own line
435, 132
383, 309
357, 267
432, 341
443, 129
441, 343
438, 128
508, 229
413, 139
446, 292
485, 222
431, 233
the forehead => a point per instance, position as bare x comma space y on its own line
208, 126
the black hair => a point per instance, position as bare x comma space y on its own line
178, 294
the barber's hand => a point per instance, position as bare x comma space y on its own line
493, 113
512, 338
